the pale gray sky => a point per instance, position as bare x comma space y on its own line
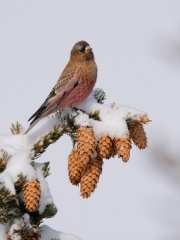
137, 49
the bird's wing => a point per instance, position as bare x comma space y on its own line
49, 106
67, 76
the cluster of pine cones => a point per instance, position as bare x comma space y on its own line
86, 160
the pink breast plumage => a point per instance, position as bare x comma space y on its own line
77, 96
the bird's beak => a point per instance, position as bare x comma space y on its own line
88, 49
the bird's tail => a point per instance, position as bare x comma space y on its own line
32, 124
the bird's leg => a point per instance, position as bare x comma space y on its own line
77, 109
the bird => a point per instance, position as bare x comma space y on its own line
74, 85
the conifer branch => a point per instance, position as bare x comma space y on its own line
96, 135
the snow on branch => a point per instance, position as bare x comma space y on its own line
98, 131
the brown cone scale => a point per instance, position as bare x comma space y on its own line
73, 168
90, 177
138, 135
32, 193
123, 147
104, 147
86, 146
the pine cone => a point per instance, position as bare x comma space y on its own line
113, 150
144, 120
73, 168
138, 134
123, 147
104, 147
90, 177
32, 193
86, 146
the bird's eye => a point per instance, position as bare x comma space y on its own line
81, 50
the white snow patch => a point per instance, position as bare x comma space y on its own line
20, 163
6, 178
112, 118
3, 232
46, 198
48, 233
82, 119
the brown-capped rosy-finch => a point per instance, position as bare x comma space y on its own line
74, 84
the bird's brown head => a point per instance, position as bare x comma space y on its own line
81, 52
